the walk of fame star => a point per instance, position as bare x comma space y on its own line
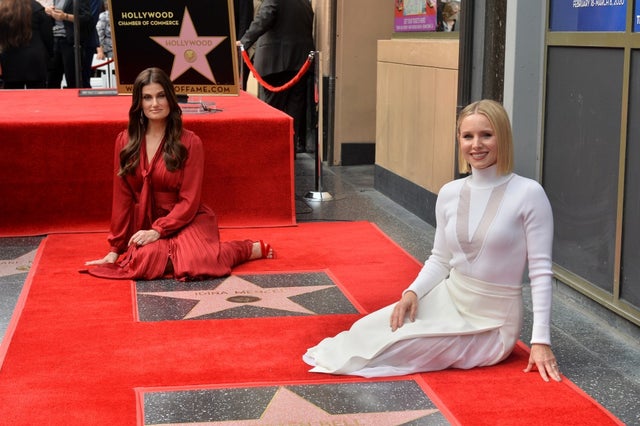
235, 291
189, 49
330, 404
288, 408
18, 265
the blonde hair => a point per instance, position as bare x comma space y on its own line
499, 120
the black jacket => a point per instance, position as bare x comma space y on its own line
283, 33
29, 63
84, 19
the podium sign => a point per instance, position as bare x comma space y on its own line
193, 41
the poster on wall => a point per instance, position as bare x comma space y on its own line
193, 41
415, 15
636, 17
588, 15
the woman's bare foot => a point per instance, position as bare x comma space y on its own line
262, 250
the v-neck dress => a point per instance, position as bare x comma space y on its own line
169, 202
489, 228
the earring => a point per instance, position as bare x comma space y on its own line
142, 118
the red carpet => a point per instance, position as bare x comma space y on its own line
76, 356
56, 161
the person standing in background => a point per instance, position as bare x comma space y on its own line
90, 46
63, 62
243, 14
449, 17
26, 44
103, 27
252, 50
282, 31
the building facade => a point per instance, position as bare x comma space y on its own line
569, 75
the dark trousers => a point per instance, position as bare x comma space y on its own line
292, 102
62, 63
25, 85
87, 59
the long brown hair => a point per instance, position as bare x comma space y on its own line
174, 152
15, 23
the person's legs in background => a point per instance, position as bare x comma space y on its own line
56, 68
292, 101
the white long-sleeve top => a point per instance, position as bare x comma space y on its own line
489, 227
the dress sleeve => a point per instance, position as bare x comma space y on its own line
538, 224
437, 266
189, 192
122, 202
101, 29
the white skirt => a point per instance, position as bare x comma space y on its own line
461, 323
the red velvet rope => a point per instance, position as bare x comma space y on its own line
102, 64
287, 85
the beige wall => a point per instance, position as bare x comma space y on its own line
399, 94
322, 28
360, 24
416, 109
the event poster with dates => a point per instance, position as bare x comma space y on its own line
588, 15
193, 41
415, 15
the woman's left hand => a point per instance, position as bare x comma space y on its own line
142, 238
544, 361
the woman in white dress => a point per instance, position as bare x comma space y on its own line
464, 309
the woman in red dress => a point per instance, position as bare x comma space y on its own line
159, 225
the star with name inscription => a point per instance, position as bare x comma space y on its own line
288, 408
18, 265
189, 49
235, 291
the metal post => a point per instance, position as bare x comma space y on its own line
331, 83
318, 194
76, 43
241, 66
465, 61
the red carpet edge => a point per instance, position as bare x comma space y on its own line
74, 355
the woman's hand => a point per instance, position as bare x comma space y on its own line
142, 238
544, 361
408, 305
111, 257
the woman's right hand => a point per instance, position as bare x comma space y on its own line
111, 257
408, 305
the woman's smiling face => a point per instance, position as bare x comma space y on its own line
478, 142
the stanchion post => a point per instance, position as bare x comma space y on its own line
77, 48
319, 194
240, 68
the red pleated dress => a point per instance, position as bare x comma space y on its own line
170, 203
